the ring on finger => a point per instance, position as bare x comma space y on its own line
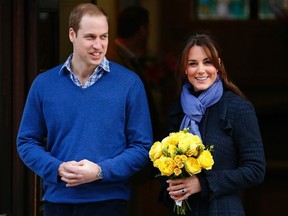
183, 191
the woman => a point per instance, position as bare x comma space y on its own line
216, 110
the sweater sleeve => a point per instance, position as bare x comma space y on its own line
31, 139
139, 138
250, 159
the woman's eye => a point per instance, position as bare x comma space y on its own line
192, 64
208, 62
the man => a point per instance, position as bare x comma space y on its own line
130, 50
130, 44
94, 118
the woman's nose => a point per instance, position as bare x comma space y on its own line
200, 68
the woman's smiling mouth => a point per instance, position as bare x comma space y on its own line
201, 78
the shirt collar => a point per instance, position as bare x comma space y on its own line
67, 64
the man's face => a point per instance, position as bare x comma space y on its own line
90, 43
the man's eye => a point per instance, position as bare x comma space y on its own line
103, 37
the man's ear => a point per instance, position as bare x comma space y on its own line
72, 34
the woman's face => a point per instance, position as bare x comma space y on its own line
200, 71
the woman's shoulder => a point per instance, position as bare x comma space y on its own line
235, 103
229, 96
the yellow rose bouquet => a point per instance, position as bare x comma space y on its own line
181, 154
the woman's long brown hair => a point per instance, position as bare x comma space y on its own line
210, 48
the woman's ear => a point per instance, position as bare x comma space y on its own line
219, 60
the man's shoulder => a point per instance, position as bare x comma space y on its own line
118, 68
51, 71
50, 74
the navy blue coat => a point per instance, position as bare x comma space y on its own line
232, 127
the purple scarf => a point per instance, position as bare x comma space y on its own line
195, 107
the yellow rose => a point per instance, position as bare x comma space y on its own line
155, 151
157, 162
206, 160
169, 150
177, 171
177, 158
191, 152
188, 144
184, 145
199, 149
183, 158
176, 137
179, 164
168, 141
192, 166
166, 166
178, 161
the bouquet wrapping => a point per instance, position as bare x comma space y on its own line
181, 154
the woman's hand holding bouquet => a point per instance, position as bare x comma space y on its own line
180, 155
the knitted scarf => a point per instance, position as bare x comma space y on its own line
195, 107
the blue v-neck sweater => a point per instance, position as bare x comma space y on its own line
107, 123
